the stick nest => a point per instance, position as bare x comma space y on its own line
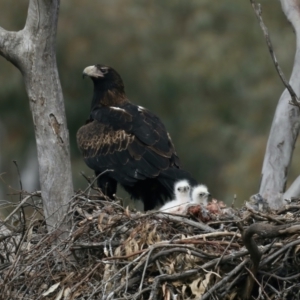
116, 253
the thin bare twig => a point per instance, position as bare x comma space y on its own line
235, 271
225, 250
257, 9
254, 278
38, 193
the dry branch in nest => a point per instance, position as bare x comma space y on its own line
116, 253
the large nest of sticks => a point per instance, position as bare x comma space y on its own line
115, 253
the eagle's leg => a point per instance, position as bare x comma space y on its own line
107, 185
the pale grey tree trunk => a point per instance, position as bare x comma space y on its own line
2, 136
285, 126
32, 51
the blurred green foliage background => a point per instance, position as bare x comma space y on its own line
202, 66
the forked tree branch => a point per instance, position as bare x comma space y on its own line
32, 51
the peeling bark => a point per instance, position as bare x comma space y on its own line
32, 51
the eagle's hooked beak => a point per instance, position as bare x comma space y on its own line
92, 71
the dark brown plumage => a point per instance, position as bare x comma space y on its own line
130, 140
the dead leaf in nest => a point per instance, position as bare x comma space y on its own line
177, 283
100, 222
171, 268
232, 296
131, 246
127, 211
297, 248
296, 259
191, 260
59, 295
166, 292
181, 261
51, 289
137, 233
118, 251
111, 220
184, 287
43, 287
153, 237
107, 272
67, 292
105, 251
198, 286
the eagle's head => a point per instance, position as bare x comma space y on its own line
182, 187
101, 72
104, 76
108, 85
200, 194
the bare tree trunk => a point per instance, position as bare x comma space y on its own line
285, 126
2, 136
32, 51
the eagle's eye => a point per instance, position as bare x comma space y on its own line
104, 70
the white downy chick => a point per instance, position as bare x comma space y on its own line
200, 194
182, 198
